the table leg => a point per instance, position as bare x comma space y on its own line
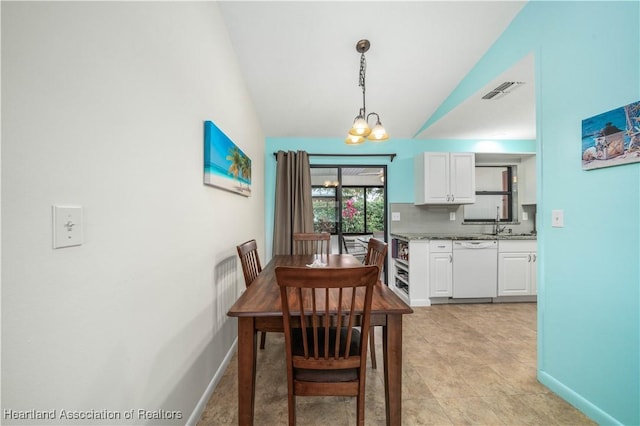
392, 348
247, 344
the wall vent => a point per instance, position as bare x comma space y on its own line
503, 89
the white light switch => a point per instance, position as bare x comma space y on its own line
452, 215
557, 218
67, 226
395, 216
525, 216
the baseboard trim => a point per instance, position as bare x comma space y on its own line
577, 400
204, 399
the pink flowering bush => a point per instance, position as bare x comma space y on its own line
349, 210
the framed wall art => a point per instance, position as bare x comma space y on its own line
225, 165
611, 138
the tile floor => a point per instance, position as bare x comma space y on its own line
472, 364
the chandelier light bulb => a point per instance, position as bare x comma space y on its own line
354, 139
378, 133
360, 127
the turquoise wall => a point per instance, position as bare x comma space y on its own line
587, 62
587, 58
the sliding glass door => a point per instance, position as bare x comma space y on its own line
350, 202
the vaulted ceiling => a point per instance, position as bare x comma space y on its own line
301, 66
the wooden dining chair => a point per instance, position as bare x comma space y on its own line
376, 252
326, 353
312, 243
251, 267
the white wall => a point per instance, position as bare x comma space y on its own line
103, 106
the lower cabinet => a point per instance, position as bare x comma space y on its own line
517, 268
422, 270
440, 268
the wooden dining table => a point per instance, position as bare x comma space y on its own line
259, 309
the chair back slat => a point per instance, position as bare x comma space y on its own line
250, 260
303, 322
312, 243
336, 346
326, 324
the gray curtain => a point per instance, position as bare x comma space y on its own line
293, 209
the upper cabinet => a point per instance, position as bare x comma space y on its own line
528, 180
445, 178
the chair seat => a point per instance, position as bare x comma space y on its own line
324, 375
321, 376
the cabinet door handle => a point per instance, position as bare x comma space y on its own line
453, 198
529, 258
450, 258
534, 257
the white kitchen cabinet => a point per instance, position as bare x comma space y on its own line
517, 262
445, 178
528, 181
440, 268
410, 260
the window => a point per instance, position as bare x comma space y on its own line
494, 195
362, 210
325, 208
348, 200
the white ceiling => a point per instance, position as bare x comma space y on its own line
301, 66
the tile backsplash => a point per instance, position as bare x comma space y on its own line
436, 219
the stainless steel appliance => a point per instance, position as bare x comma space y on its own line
475, 269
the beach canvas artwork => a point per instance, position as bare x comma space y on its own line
225, 165
611, 138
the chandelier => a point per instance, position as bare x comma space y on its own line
360, 129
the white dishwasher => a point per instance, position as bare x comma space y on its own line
475, 269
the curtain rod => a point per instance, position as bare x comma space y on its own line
391, 156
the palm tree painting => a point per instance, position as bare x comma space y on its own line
225, 165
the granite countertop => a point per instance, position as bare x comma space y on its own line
435, 236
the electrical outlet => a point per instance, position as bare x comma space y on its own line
395, 216
557, 218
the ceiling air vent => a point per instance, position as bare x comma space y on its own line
504, 89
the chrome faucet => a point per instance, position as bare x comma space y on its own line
497, 229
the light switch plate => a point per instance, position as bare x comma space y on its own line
67, 226
557, 218
525, 216
395, 216
452, 215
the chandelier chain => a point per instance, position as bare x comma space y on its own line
363, 69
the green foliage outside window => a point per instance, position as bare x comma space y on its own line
324, 209
353, 210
